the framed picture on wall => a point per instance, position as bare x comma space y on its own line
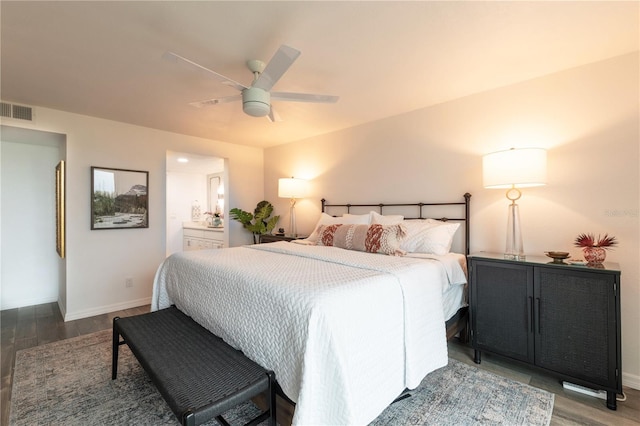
119, 198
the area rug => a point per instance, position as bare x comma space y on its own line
69, 382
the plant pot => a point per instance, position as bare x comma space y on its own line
594, 255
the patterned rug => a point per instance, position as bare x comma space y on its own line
69, 382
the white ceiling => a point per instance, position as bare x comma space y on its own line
104, 59
194, 163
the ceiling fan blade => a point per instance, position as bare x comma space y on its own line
173, 57
273, 116
277, 66
303, 97
211, 102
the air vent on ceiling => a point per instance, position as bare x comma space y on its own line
19, 112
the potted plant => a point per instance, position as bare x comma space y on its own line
257, 223
594, 249
213, 219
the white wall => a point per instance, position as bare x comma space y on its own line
588, 120
98, 262
28, 221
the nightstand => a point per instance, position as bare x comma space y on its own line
564, 319
270, 238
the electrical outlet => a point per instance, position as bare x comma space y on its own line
128, 282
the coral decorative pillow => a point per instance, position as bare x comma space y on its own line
326, 219
374, 238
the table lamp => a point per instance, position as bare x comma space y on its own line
292, 188
513, 169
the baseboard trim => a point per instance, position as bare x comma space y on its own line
631, 380
99, 310
28, 302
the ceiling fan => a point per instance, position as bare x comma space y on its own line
256, 98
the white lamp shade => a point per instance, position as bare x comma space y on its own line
519, 168
292, 188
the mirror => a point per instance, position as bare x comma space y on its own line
215, 193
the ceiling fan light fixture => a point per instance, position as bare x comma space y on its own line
256, 99
256, 102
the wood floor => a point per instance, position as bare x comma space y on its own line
37, 325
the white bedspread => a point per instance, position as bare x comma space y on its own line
344, 331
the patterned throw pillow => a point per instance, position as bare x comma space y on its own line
326, 219
375, 238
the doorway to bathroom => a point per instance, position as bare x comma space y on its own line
195, 185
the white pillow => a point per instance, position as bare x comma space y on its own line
392, 219
350, 216
429, 236
325, 219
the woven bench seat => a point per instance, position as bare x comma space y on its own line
197, 373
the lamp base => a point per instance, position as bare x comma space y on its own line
292, 218
514, 249
511, 256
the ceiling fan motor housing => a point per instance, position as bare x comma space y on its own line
256, 102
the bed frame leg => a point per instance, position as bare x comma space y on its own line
464, 335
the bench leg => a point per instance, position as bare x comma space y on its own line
115, 349
272, 398
188, 418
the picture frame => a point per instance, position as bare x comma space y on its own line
60, 209
119, 198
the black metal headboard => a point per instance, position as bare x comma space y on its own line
421, 207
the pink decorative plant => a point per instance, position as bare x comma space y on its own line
595, 249
589, 240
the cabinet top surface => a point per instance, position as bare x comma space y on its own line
192, 225
543, 260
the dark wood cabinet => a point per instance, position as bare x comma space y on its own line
562, 318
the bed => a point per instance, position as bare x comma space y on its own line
346, 331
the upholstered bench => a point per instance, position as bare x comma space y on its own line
198, 374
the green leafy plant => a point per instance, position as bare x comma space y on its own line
589, 240
257, 223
